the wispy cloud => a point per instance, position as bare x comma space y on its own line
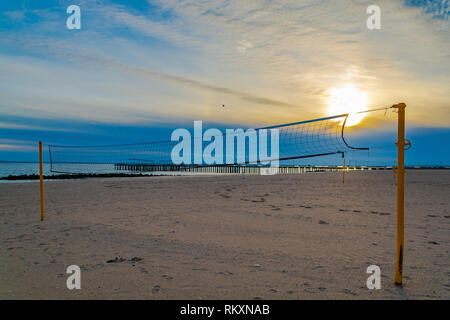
12, 125
17, 147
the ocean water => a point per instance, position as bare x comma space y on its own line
18, 168
26, 168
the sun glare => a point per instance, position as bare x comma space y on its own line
348, 100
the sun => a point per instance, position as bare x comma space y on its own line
348, 100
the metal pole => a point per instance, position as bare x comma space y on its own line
41, 181
401, 143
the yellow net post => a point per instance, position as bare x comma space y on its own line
401, 144
41, 181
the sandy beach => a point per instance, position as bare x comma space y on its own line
299, 236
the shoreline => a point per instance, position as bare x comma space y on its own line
70, 176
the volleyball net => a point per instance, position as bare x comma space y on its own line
312, 138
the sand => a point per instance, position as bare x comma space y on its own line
302, 236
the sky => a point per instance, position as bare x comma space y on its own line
137, 70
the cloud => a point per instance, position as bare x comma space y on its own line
19, 126
267, 61
16, 147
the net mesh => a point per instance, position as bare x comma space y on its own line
318, 137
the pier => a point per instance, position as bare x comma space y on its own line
231, 169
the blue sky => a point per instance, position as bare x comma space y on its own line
139, 69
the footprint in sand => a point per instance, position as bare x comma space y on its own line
309, 290
116, 260
228, 273
256, 267
156, 289
347, 291
113, 186
143, 270
135, 259
120, 259
199, 269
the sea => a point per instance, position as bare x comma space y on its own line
22, 168
28, 168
